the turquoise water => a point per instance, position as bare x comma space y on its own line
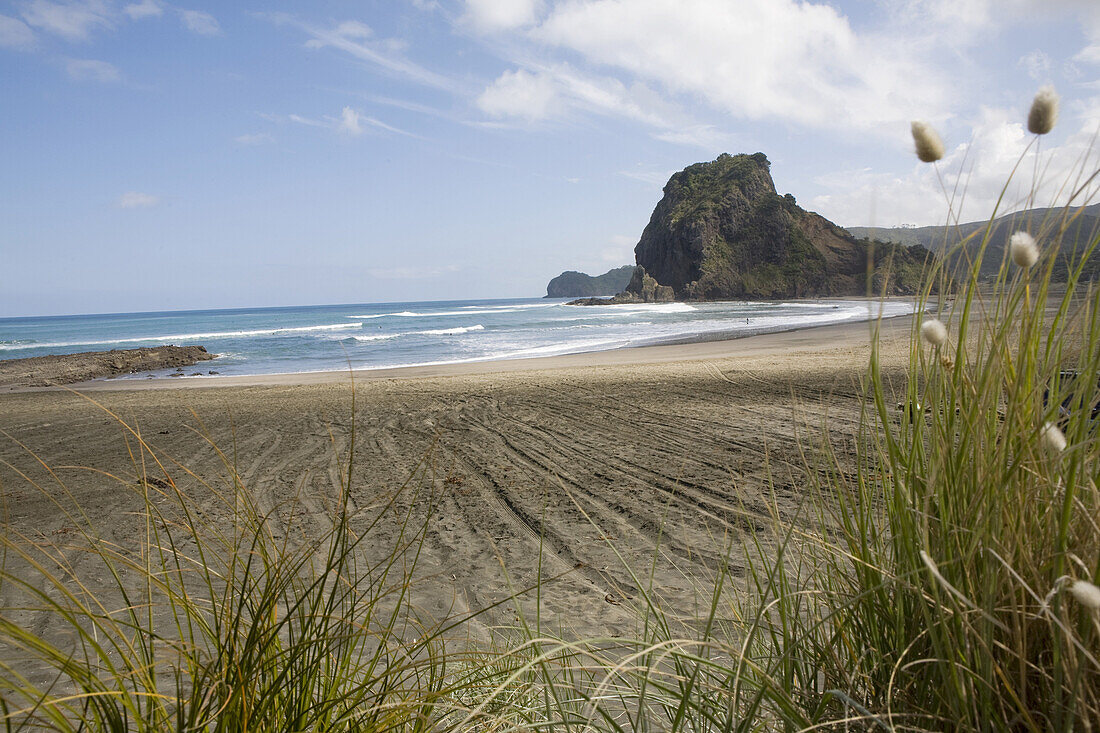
378, 335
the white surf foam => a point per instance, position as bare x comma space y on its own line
468, 310
450, 331
188, 336
432, 332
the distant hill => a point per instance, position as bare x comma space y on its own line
1039, 222
573, 284
722, 232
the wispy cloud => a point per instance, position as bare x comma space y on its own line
1036, 63
560, 91
649, 176
357, 39
92, 70
14, 33
255, 138
77, 20
74, 21
199, 22
144, 9
137, 200
405, 104
350, 122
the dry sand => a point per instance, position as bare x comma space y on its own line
690, 442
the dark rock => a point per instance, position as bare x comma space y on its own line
43, 371
721, 231
641, 289
573, 284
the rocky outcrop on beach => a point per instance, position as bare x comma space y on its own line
721, 231
642, 288
46, 371
573, 284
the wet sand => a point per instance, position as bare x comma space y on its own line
688, 446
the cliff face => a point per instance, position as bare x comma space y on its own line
721, 231
573, 284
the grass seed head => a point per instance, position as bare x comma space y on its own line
933, 331
1087, 594
1052, 438
929, 144
1044, 111
1023, 249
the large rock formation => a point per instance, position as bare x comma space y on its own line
721, 231
573, 284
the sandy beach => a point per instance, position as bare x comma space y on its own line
692, 445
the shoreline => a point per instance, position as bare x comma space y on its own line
670, 446
720, 345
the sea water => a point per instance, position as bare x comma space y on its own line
252, 341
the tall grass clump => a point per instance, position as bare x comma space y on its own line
265, 625
952, 581
948, 580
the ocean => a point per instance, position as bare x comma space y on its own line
252, 341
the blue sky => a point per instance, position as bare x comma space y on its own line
161, 155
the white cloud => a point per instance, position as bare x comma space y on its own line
137, 200
521, 94
754, 59
199, 22
1089, 54
74, 21
981, 167
500, 15
14, 33
92, 70
349, 122
257, 138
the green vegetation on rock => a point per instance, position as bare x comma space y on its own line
573, 284
722, 231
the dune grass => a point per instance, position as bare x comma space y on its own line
943, 582
266, 627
